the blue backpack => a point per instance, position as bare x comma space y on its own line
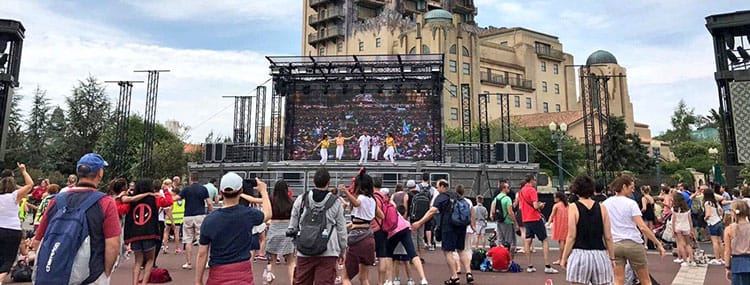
65, 251
461, 214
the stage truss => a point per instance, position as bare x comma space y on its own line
311, 76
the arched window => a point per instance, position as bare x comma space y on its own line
425, 49
465, 51
413, 50
453, 49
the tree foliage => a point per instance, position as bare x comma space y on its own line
683, 119
14, 145
36, 131
88, 116
543, 150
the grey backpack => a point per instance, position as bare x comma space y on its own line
314, 232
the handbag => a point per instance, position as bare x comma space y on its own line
668, 234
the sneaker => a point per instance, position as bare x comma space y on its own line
684, 263
261, 257
187, 266
396, 281
531, 269
178, 251
388, 282
550, 270
693, 264
424, 282
714, 262
678, 260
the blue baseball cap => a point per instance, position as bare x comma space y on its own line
89, 163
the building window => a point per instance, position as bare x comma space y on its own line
504, 43
452, 66
361, 46
413, 50
340, 47
468, 18
454, 91
528, 102
453, 49
499, 99
557, 88
517, 101
465, 51
425, 49
467, 68
555, 68
545, 107
378, 42
557, 107
544, 86
454, 114
544, 66
322, 50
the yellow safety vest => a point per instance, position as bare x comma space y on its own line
22, 210
178, 212
42, 208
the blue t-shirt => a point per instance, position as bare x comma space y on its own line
195, 197
687, 198
229, 232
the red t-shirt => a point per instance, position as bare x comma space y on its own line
500, 258
111, 221
527, 198
38, 192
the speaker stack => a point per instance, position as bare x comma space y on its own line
215, 152
511, 152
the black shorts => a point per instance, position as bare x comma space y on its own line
381, 244
9, 242
536, 228
429, 225
143, 245
454, 238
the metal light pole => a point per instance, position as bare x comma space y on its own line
558, 134
656, 150
718, 178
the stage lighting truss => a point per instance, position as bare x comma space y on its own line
12, 34
364, 73
741, 59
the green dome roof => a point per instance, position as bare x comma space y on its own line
438, 15
601, 57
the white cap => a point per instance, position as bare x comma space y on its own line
385, 190
230, 181
411, 184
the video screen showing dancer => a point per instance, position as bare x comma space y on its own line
349, 117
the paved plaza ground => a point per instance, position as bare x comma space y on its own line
663, 270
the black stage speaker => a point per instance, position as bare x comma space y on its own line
523, 153
500, 152
208, 152
511, 152
220, 152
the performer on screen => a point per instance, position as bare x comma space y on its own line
323, 145
340, 139
364, 146
375, 142
390, 152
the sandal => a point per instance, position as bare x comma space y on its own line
452, 281
469, 278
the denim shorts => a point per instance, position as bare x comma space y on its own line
716, 230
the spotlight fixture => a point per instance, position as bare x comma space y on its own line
743, 53
732, 58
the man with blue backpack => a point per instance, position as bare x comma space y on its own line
455, 216
80, 231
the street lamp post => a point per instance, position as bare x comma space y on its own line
717, 179
558, 134
656, 150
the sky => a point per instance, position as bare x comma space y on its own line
218, 48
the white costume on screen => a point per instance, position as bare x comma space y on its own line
364, 146
390, 154
339, 152
375, 147
323, 155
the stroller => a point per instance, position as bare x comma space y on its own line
664, 232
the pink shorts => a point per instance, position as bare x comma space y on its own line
683, 233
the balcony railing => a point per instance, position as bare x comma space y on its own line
521, 83
370, 3
493, 78
464, 6
316, 3
336, 13
314, 38
550, 53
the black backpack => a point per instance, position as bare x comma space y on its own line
477, 257
420, 203
500, 211
314, 232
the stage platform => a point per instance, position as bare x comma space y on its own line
476, 178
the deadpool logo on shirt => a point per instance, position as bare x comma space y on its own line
142, 214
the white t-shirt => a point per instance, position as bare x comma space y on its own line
9, 211
366, 209
621, 211
714, 217
471, 208
364, 141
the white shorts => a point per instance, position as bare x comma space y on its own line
191, 228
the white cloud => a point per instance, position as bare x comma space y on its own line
220, 10
59, 51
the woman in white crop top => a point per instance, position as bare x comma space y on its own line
359, 257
